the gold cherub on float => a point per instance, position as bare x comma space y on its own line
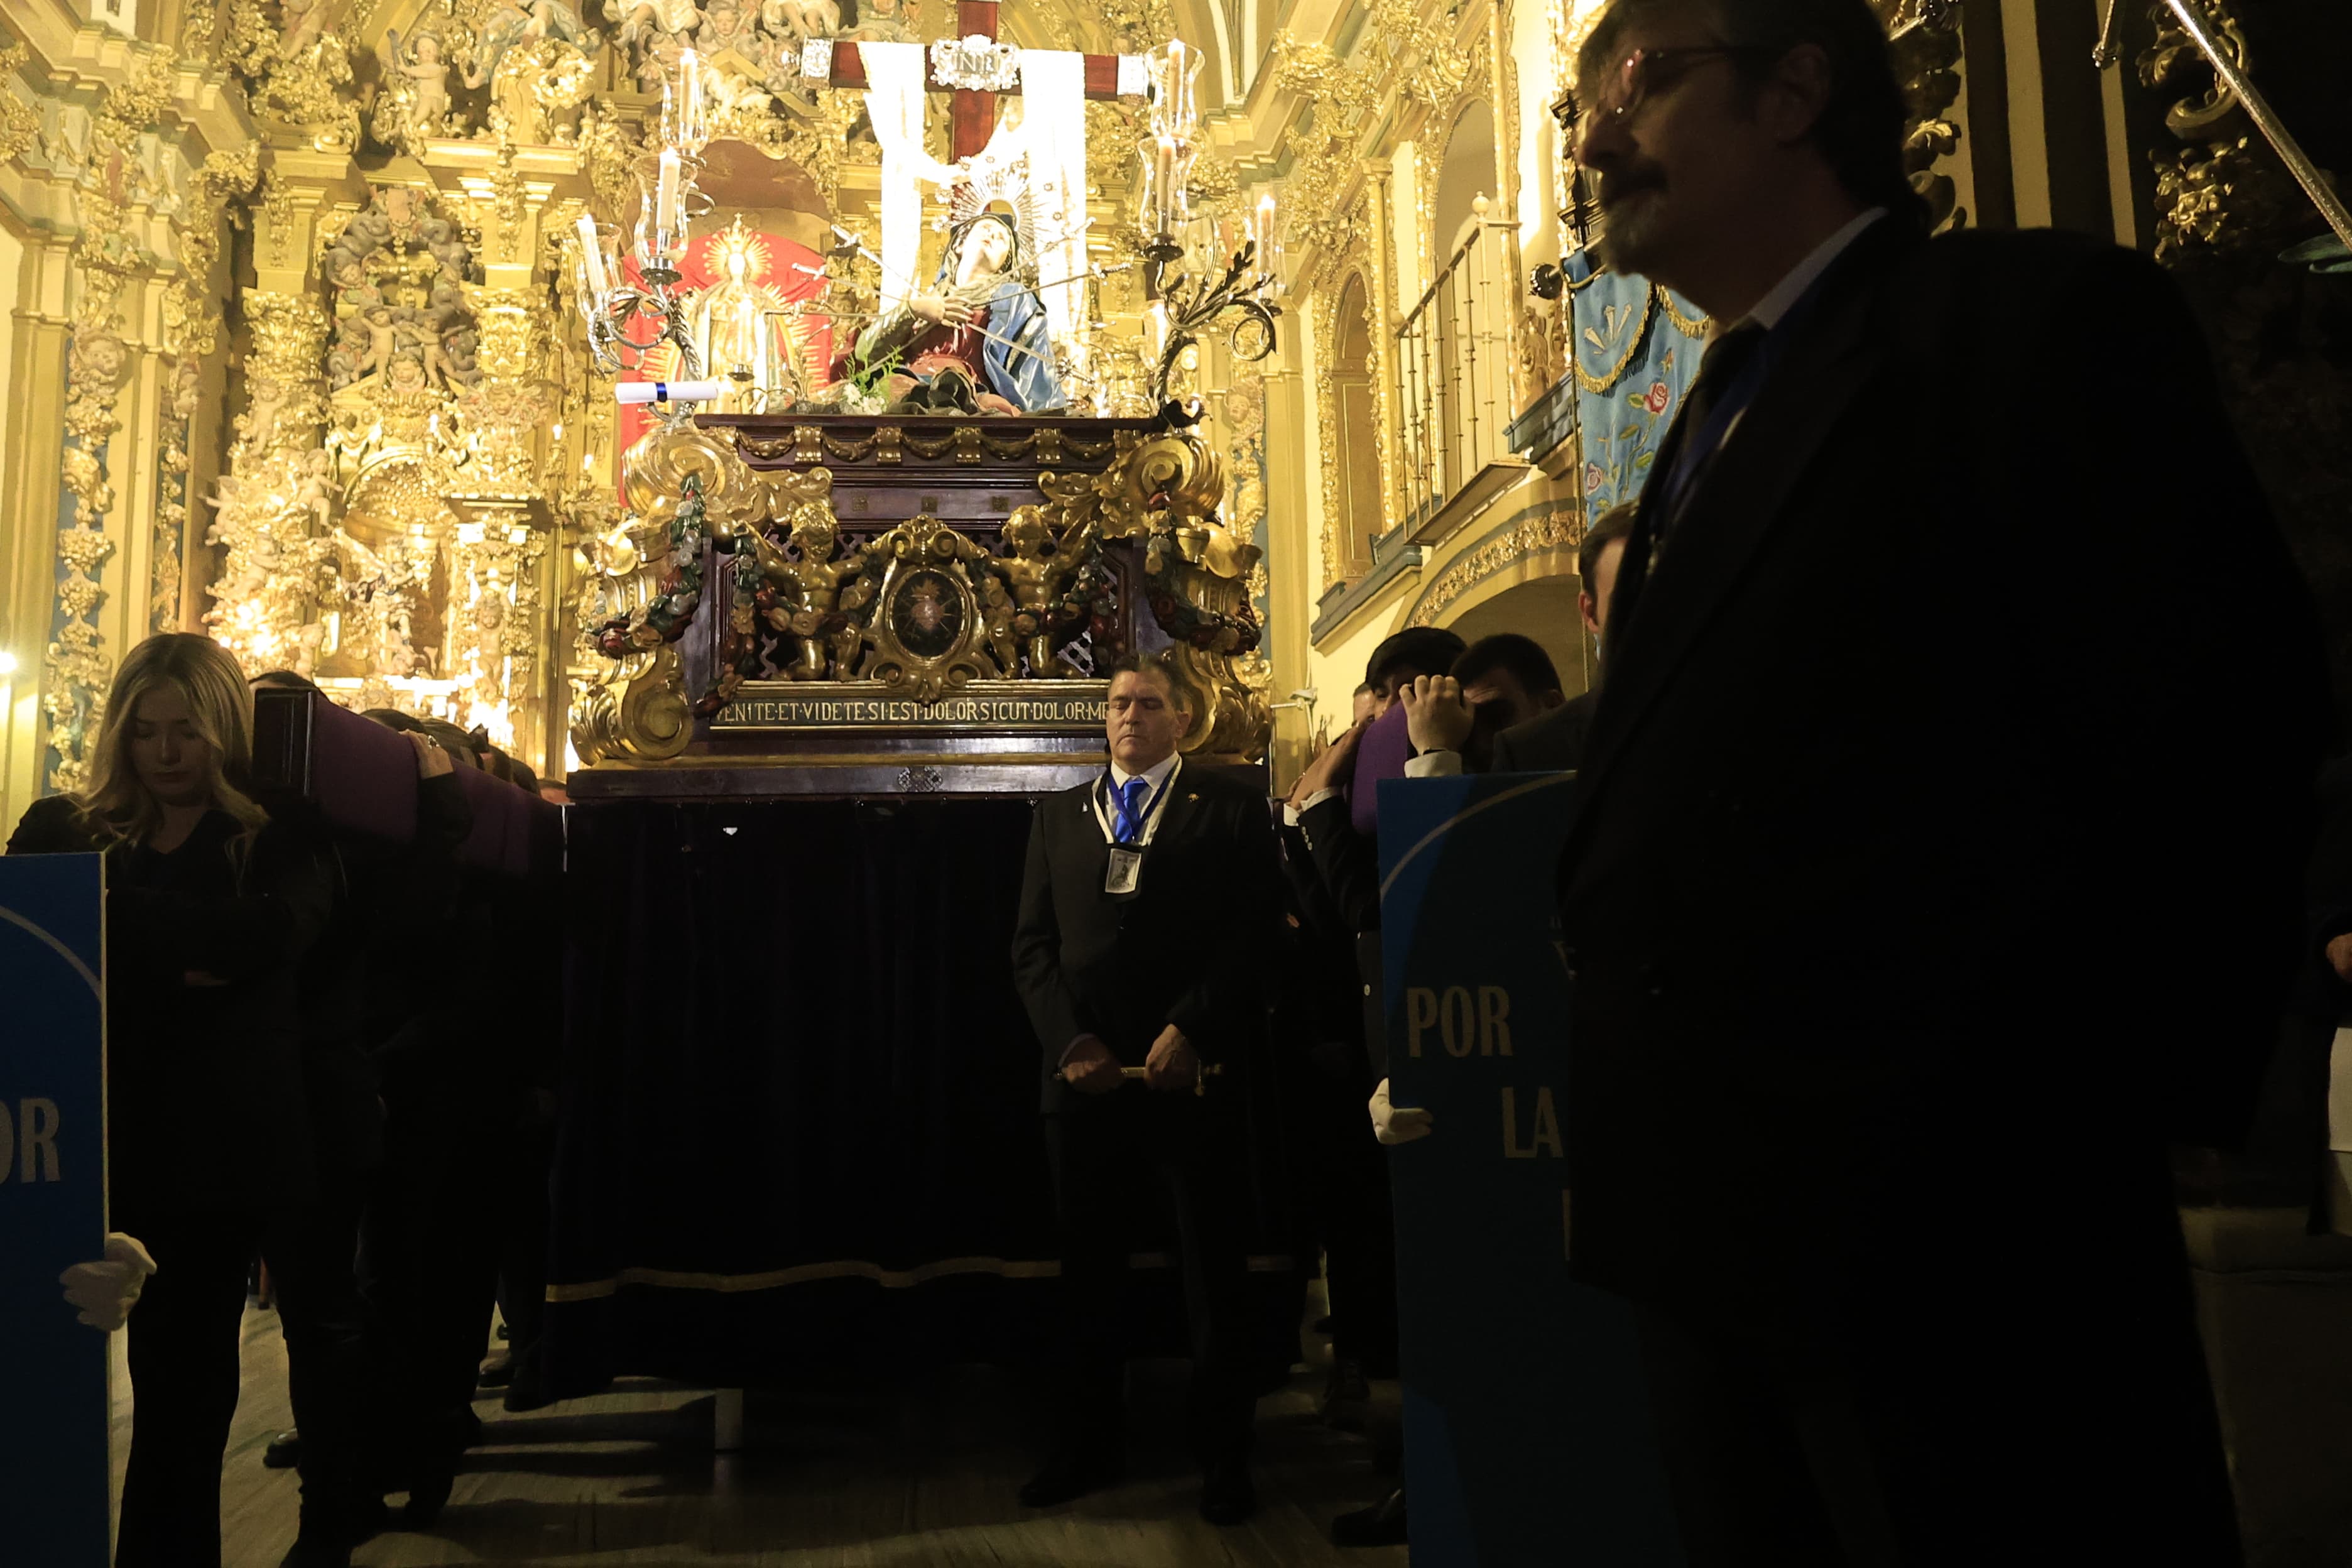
1035, 570
821, 595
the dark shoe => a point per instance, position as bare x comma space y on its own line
312, 1551
285, 1451
1227, 1496
1069, 1477
1379, 1526
330, 1534
497, 1373
428, 1494
527, 1390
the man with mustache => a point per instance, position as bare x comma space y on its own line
1885, 822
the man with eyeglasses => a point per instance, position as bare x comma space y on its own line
1148, 914
1923, 882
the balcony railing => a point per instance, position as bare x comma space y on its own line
1453, 372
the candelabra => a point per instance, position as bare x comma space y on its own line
1190, 300
669, 201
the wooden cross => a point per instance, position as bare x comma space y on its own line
971, 115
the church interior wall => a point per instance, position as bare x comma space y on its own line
1419, 109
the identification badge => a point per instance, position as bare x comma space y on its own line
1125, 871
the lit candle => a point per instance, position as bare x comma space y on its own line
1263, 234
593, 254
689, 109
666, 197
1180, 88
1163, 185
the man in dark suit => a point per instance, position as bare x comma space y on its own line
1886, 821
1146, 911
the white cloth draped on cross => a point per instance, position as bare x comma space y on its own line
1052, 132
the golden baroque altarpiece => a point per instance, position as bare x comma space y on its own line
416, 493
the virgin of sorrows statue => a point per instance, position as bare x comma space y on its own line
976, 343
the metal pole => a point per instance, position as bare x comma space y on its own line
2258, 109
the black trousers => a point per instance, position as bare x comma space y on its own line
429, 1261
313, 1262
1348, 1188
1114, 1160
524, 1241
2045, 1403
185, 1375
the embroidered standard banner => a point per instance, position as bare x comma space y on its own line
1528, 1437
53, 1457
1634, 350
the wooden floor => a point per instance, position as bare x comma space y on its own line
921, 1475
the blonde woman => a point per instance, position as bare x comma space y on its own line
210, 906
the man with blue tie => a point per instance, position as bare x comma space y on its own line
1148, 910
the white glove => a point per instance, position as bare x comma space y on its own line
107, 1291
1394, 1124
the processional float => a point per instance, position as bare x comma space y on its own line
905, 571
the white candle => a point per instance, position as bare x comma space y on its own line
593, 254
1263, 234
689, 110
747, 339
1164, 182
1180, 88
666, 198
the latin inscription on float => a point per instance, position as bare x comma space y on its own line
1079, 707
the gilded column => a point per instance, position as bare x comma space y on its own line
78, 666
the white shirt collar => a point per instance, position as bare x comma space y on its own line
1153, 777
1785, 294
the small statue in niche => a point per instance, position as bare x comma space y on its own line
824, 594
1034, 571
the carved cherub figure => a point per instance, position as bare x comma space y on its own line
996, 613
382, 339
315, 494
424, 65
824, 591
1036, 572
302, 24
259, 421
425, 341
801, 18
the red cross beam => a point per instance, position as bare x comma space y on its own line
971, 114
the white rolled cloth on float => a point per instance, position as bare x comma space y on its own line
633, 392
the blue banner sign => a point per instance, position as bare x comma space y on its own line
1528, 1440
53, 1455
